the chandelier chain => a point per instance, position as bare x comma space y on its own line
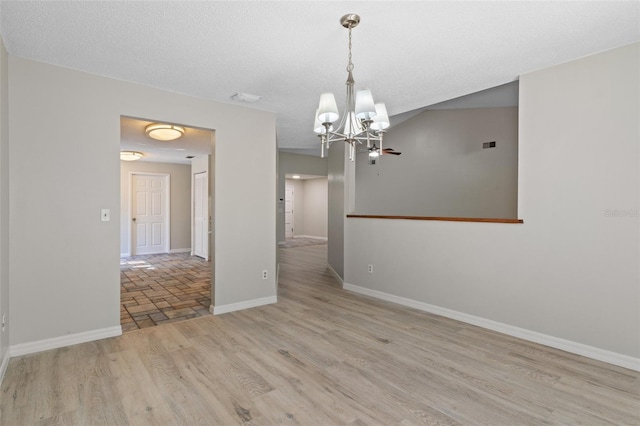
350, 64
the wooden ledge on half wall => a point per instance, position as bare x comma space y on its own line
447, 219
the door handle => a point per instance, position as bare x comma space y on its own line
134, 219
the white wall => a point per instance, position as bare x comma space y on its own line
179, 196
4, 207
570, 272
64, 139
443, 170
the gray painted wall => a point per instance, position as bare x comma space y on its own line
64, 139
4, 203
179, 196
315, 207
571, 270
443, 169
336, 192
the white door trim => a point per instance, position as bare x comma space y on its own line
290, 227
167, 219
207, 216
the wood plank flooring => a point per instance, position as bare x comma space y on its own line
320, 356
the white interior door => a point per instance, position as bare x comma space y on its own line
288, 211
201, 215
150, 214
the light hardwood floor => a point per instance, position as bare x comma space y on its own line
320, 356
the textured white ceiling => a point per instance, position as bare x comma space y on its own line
410, 54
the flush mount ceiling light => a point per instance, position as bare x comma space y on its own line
164, 132
362, 122
130, 155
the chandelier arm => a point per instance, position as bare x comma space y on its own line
342, 124
363, 140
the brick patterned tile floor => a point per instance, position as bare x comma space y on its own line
161, 288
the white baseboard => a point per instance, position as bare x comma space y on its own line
532, 336
223, 309
180, 250
311, 236
4, 364
68, 340
337, 277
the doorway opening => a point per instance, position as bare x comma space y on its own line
306, 210
166, 274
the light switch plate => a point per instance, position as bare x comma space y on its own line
105, 215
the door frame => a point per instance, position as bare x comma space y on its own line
167, 219
293, 197
193, 213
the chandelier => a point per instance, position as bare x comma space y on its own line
362, 121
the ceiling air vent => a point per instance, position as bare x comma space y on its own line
246, 97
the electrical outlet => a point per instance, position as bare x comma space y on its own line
370, 269
265, 274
